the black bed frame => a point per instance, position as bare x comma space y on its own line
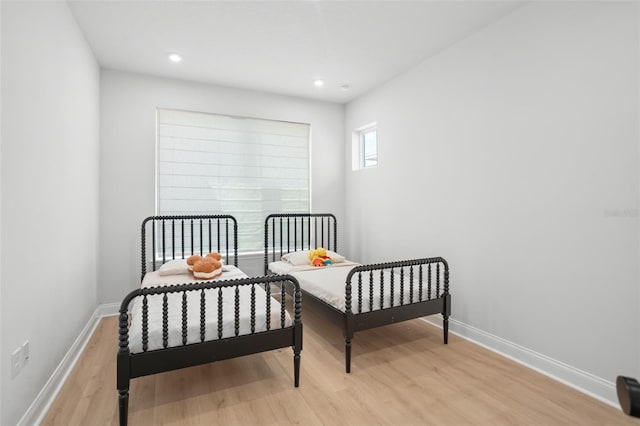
288, 232
178, 237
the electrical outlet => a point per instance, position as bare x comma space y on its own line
16, 362
25, 353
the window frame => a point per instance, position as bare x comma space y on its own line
358, 147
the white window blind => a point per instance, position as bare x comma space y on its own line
246, 167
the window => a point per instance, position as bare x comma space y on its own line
246, 167
365, 147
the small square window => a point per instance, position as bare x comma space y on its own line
365, 147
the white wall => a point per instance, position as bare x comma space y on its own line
514, 154
127, 158
1, 350
49, 205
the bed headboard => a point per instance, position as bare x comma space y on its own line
288, 232
165, 238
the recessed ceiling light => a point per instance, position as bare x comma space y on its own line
174, 57
318, 83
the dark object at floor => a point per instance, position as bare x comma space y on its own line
629, 395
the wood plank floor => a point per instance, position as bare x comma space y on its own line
402, 374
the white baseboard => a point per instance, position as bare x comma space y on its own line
37, 410
108, 309
587, 383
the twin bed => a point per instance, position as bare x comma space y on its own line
173, 322
354, 297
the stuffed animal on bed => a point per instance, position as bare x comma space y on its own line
207, 268
318, 257
192, 260
215, 255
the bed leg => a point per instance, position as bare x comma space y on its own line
123, 401
446, 311
347, 354
296, 369
445, 328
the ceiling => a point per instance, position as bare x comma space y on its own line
280, 46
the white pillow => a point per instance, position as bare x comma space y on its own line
337, 258
298, 258
174, 267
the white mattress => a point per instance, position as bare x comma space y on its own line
153, 279
328, 284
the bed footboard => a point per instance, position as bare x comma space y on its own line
214, 335
385, 293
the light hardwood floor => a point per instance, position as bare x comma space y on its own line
402, 374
